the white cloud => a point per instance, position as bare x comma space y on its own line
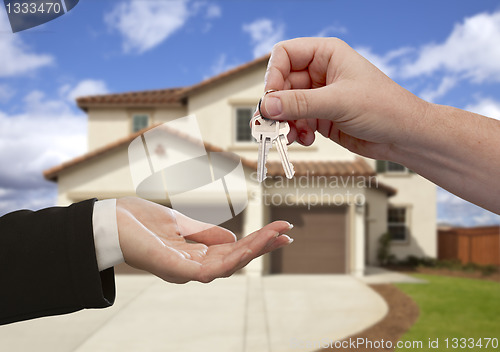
84, 88
332, 31
431, 94
213, 11
146, 24
43, 135
385, 63
471, 51
16, 57
485, 106
264, 34
220, 65
455, 211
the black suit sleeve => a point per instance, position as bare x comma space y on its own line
48, 264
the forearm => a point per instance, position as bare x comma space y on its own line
48, 264
457, 150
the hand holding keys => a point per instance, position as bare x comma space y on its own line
267, 132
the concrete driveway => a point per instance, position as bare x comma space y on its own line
243, 313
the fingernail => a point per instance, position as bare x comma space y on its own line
273, 106
302, 136
290, 226
290, 240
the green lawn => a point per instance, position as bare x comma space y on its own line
454, 308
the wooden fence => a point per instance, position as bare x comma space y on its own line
479, 245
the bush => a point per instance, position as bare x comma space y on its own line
489, 269
451, 264
383, 252
414, 261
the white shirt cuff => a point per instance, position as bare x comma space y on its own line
106, 240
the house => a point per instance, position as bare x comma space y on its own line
340, 203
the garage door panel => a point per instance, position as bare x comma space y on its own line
319, 235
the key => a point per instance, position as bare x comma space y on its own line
265, 131
281, 145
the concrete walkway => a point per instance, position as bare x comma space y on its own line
242, 313
375, 275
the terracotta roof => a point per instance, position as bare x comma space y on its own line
161, 97
225, 75
156, 97
358, 167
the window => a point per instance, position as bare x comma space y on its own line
389, 166
397, 223
139, 122
243, 131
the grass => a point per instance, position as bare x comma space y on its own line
453, 307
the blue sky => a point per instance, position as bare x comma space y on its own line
443, 51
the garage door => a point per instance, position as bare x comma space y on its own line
319, 240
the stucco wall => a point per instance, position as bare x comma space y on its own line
106, 126
376, 222
419, 196
106, 176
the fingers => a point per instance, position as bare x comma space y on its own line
288, 56
311, 54
202, 232
320, 103
277, 240
305, 131
246, 250
267, 231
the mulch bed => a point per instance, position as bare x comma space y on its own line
403, 312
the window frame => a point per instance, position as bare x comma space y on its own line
386, 170
235, 109
133, 115
406, 223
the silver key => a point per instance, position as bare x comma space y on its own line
265, 131
281, 144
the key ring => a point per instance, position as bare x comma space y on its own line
260, 101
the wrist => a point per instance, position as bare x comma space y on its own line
419, 132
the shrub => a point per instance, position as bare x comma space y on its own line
384, 247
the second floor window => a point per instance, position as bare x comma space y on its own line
389, 166
139, 122
243, 131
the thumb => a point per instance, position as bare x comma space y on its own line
297, 104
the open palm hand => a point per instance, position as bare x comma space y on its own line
179, 249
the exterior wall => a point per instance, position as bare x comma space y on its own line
376, 223
419, 196
107, 176
107, 125
168, 114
